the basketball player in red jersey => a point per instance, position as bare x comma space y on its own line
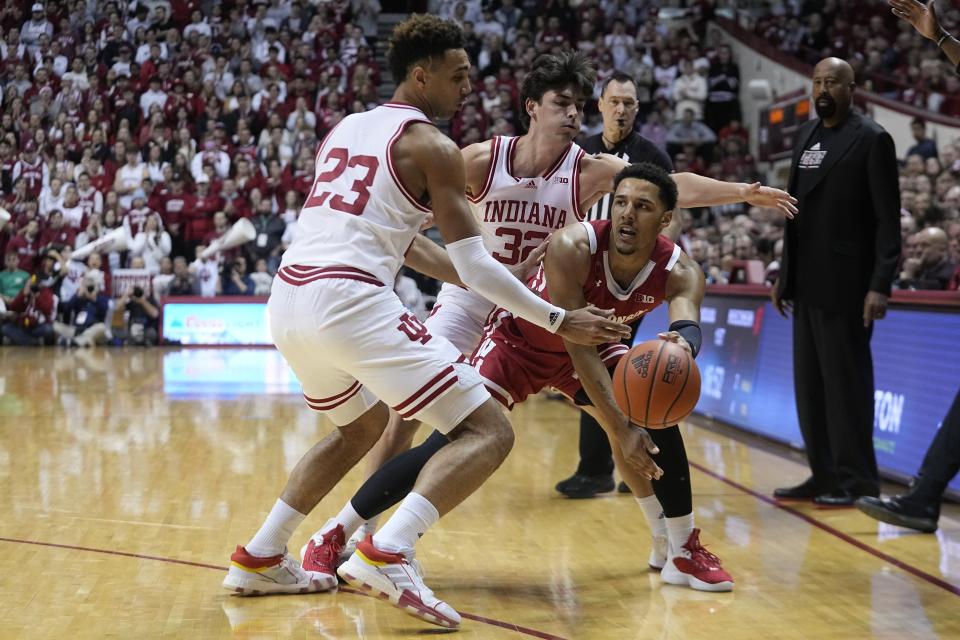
335, 318
627, 265
521, 189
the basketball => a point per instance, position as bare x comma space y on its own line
657, 384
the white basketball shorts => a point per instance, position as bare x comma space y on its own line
460, 316
350, 342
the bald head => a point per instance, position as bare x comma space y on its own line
832, 90
840, 68
932, 243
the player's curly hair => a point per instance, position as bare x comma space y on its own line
557, 72
418, 37
654, 175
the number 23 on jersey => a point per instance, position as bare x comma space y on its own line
340, 160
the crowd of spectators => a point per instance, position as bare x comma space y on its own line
166, 121
888, 56
161, 123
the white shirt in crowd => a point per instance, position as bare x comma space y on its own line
205, 271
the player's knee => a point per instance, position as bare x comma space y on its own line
369, 427
489, 424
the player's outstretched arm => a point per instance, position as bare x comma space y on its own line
443, 168
566, 266
700, 191
597, 173
923, 17
685, 290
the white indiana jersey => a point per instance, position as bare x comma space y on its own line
516, 214
358, 214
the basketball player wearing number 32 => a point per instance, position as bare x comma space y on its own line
628, 266
335, 318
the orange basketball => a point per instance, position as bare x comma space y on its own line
657, 384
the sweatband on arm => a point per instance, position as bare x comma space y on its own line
690, 331
481, 273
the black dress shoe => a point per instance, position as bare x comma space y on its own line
623, 488
581, 486
902, 511
835, 499
806, 490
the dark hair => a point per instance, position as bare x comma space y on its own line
618, 76
918, 121
418, 37
654, 175
569, 69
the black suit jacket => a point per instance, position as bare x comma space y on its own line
850, 220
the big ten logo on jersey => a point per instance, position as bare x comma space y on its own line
561, 180
336, 163
414, 329
645, 298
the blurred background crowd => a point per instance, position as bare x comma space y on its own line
166, 121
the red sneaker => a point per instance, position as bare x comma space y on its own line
696, 567
321, 555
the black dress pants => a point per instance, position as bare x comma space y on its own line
942, 461
833, 382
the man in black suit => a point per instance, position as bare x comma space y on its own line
839, 259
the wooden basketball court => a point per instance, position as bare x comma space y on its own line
128, 476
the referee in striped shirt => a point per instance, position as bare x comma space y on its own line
618, 106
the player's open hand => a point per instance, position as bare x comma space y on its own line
592, 326
922, 17
674, 336
761, 196
525, 269
636, 446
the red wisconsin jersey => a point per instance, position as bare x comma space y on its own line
644, 294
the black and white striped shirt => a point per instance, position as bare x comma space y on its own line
633, 148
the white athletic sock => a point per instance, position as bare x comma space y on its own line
411, 520
348, 518
654, 514
678, 530
276, 530
370, 526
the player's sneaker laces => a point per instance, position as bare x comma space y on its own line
696, 567
253, 576
658, 553
323, 553
390, 576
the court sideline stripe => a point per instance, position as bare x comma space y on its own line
900, 564
139, 556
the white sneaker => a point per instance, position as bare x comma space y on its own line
658, 553
252, 576
392, 577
